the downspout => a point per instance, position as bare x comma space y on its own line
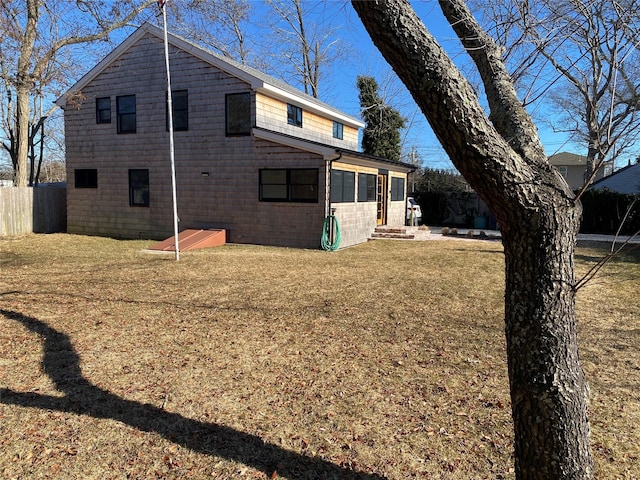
330, 239
327, 203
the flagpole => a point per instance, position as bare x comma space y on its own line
162, 3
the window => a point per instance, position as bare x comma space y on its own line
397, 189
86, 178
126, 111
294, 115
289, 185
180, 110
103, 110
337, 130
139, 188
563, 170
366, 187
342, 186
238, 116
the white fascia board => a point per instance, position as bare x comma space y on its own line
280, 94
326, 151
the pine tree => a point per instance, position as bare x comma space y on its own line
381, 136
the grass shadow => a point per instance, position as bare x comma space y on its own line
61, 364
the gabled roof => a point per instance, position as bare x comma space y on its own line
626, 180
259, 81
566, 158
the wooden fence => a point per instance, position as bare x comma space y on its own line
41, 209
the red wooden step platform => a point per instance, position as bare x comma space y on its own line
192, 239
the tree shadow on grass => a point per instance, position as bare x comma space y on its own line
62, 364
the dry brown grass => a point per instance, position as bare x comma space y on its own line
381, 361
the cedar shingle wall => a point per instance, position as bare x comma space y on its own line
224, 199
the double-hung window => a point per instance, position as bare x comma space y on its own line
343, 185
180, 110
238, 113
294, 115
126, 112
289, 185
103, 110
139, 188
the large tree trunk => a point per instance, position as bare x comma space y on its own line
503, 160
22, 136
24, 84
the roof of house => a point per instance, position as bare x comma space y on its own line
626, 180
343, 154
259, 81
568, 159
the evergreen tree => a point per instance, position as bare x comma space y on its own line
381, 136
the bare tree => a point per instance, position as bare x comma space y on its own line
502, 158
219, 24
37, 37
307, 47
594, 79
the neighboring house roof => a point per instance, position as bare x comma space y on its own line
259, 81
626, 180
566, 158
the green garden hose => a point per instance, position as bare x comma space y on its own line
329, 222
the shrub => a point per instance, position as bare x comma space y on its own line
604, 210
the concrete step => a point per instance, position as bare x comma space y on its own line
392, 235
392, 232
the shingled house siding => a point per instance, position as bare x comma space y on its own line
203, 149
271, 114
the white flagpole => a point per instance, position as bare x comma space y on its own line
170, 119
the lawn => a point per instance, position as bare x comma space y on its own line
382, 361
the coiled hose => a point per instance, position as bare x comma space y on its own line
330, 223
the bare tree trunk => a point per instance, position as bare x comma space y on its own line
24, 84
503, 160
22, 136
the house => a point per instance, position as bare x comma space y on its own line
572, 167
626, 180
253, 155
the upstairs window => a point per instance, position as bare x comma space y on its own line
343, 186
103, 110
337, 130
289, 185
126, 111
238, 114
367, 189
563, 170
294, 115
86, 178
397, 189
139, 188
180, 110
